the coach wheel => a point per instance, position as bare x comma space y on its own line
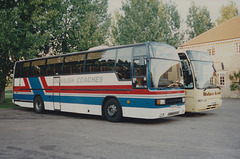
112, 110
38, 105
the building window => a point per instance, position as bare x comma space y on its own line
236, 47
211, 50
221, 78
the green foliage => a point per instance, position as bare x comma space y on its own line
8, 103
79, 26
146, 20
34, 28
20, 34
235, 81
227, 12
198, 20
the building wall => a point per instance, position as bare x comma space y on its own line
224, 51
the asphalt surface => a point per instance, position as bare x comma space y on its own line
210, 135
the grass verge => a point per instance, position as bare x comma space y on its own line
8, 100
8, 103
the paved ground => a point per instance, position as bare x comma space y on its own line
211, 135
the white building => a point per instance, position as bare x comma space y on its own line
223, 44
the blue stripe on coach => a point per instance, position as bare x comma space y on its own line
134, 102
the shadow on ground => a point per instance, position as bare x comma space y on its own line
28, 113
197, 114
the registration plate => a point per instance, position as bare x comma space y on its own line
174, 106
214, 103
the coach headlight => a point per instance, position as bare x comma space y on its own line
183, 100
160, 101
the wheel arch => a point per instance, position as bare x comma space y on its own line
106, 99
37, 95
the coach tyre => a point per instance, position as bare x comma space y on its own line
112, 110
38, 105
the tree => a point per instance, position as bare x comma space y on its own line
80, 25
146, 20
34, 28
198, 20
227, 12
235, 79
19, 35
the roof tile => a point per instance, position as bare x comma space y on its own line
225, 31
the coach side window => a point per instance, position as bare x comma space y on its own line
139, 72
107, 60
18, 69
92, 64
25, 69
74, 64
37, 68
123, 66
54, 66
140, 67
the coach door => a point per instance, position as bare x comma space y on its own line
56, 93
139, 72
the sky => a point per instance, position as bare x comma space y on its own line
213, 6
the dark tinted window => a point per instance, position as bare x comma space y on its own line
37, 68
54, 66
124, 63
25, 69
187, 72
92, 64
18, 69
139, 73
107, 60
100, 61
74, 64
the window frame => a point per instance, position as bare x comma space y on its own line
223, 75
49, 65
62, 57
236, 47
131, 63
211, 50
78, 62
